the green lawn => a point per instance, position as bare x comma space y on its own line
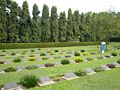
94, 82
107, 80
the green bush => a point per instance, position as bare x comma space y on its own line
77, 54
114, 54
78, 59
57, 57
42, 54
31, 58
80, 73
89, 59
85, 53
13, 53
56, 50
118, 61
82, 50
98, 69
65, 61
31, 55
43, 45
32, 50
44, 58
31, 67
28, 81
52, 53
2, 62
17, 60
10, 69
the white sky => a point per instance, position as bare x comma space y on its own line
81, 5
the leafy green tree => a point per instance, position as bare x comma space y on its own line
25, 22
35, 31
54, 24
76, 25
62, 27
13, 23
45, 22
3, 20
69, 32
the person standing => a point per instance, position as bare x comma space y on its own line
103, 47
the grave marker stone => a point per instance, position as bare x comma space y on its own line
116, 64
104, 67
69, 76
45, 81
89, 71
58, 63
41, 66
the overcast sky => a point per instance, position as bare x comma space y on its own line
81, 5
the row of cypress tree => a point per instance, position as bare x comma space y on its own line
16, 25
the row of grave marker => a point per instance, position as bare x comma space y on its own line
46, 80
20, 68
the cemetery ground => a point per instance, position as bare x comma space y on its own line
43, 62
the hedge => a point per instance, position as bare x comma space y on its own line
44, 45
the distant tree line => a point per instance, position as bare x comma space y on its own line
16, 25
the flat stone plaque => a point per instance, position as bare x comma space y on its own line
41, 66
116, 64
10, 86
45, 81
104, 67
69, 76
58, 63
19, 68
89, 71
72, 61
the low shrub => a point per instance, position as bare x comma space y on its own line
100, 57
10, 69
44, 58
80, 73
67, 56
31, 67
82, 50
114, 54
56, 50
77, 54
3, 51
43, 45
31, 55
110, 65
98, 69
52, 53
84, 53
49, 65
57, 57
32, 50
2, 62
23, 53
39, 49
89, 59
118, 61
65, 61
78, 59
42, 54
2, 54
17, 60
12, 53
31, 58
28, 81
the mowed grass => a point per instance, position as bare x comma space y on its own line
106, 80
83, 83
53, 71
